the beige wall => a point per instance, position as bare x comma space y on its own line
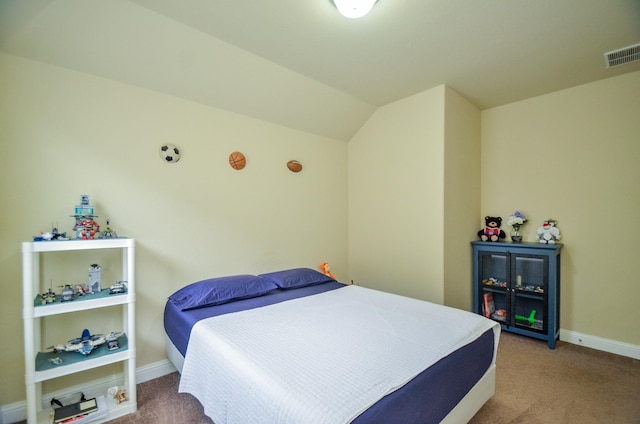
461, 195
414, 197
64, 134
574, 155
396, 198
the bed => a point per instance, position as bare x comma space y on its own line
296, 346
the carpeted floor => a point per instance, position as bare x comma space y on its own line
568, 385
534, 385
160, 403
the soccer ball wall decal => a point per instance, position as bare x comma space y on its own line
170, 153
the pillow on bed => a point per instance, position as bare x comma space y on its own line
297, 277
216, 291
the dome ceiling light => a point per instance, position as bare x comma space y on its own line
354, 8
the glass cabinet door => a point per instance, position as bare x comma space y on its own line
529, 287
494, 299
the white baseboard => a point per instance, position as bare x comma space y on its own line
155, 370
13, 412
17, 411
599, 343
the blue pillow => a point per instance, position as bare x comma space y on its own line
216, 291
297, 277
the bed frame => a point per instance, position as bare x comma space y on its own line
483, 390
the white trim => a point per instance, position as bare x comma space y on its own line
155, 370
599, 343
17, 411
13, 412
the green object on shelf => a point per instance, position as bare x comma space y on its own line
530, 320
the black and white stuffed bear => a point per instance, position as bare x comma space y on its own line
492, 231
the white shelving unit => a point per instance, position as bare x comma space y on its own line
34, 313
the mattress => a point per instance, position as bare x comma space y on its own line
426, 398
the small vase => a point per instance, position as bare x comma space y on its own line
515, 236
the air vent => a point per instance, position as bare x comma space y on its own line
622, 56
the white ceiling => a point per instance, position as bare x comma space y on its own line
299, 63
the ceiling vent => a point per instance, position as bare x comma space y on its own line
622, 56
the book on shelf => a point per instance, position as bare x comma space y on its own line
82, 412
73, 410
76, 420
489, 305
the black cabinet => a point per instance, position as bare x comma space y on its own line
518, 285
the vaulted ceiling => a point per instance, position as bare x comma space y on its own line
300, 64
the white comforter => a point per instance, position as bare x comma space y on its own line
320, 359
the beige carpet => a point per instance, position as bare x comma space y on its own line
535, 385
160, 403
570, 384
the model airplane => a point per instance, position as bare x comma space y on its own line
86, 343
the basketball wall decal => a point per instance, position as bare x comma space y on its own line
237, 160
294, 166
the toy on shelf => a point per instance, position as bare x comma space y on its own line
108, 233
85, 344
80, 290
548, 233
94, 283
67, 293
530, 288
118, 287
492, 231
56, 361
48, 297
57, 235
112, 341
500, 315
531, 319
45, 236
120, 396
516, 220
54, 234
491, 281
86, 227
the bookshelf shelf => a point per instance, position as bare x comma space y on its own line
38, 368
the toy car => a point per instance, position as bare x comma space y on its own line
112, 341
118, 287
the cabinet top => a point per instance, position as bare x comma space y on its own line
526, 245
62, 245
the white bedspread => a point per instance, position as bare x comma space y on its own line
320, 359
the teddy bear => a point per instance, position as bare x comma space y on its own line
492, 231
548, 233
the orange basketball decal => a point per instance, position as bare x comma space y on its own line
237, 160
294, 166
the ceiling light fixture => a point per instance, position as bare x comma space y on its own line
354, 8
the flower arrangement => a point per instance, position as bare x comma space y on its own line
516, 220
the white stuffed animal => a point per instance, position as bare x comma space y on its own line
548, 233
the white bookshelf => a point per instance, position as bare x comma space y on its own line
34, 312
